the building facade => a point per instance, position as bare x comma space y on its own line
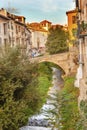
13, 31
72, 25
3, 30
40, 33
45, 24
81, 6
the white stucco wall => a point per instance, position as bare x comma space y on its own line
39, 36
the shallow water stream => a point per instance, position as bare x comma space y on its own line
40, 122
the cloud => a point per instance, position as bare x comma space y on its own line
54, 10
46, 6
49, 6
67, 4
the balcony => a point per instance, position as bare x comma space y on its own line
83, 29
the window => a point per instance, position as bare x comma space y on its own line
5, 28
16, 29
11, 25
5, 42
8, 25
9, 39
73, 19
74, 32
23, 41
38, 42
19, 28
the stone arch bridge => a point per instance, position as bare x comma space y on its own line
66, 61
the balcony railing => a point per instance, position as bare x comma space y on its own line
82, 29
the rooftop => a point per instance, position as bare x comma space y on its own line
45, 21
71, 11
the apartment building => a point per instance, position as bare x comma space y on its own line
65, 28
3, 29
72, 25
39, 35
81, 6
13, 31
45, 24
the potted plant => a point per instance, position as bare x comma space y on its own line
83, 27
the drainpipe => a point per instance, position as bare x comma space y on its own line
80, 57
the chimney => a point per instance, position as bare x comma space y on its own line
3, 12
77, 4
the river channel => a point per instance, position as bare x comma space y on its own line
40, 121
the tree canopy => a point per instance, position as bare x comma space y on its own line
57, 41
23, 88
19, 96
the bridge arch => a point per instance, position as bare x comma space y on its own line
54, 65
63, 60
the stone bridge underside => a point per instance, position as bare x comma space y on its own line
64, 60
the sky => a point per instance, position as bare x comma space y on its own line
39, 10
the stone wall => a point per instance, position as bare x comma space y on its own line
64, 60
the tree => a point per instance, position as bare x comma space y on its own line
11, 9
19, 96
57, 41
